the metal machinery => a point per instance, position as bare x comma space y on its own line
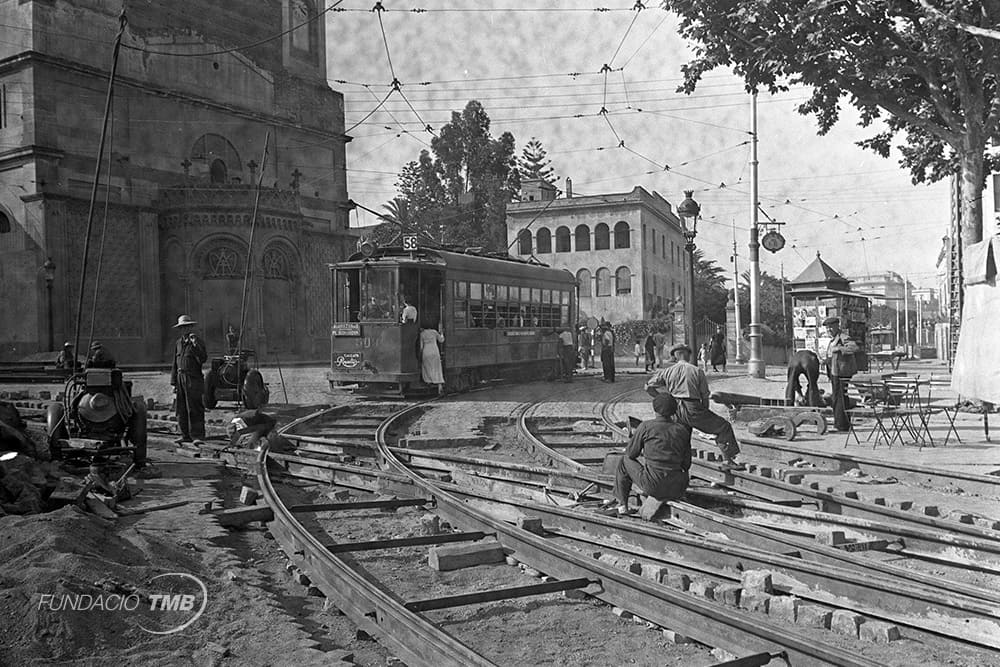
500, 317
97, 417
232, 379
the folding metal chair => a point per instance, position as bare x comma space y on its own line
950, 411
912, 413
872, 395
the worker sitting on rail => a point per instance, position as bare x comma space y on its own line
246, 430
665, 446
688, 384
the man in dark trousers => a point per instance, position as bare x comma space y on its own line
187, 380
608, 352
841, 364
665, 446
687, 383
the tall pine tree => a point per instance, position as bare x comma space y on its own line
534, 162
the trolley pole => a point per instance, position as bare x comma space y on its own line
755, 366
736, 301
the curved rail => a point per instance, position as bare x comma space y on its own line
372, 608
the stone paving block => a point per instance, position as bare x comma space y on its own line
702, 588
833, 537
756, 581
901, 504
755, 601
248, 496
765, 471
635, 567
676, 637
794, 479
623, 614
532, 524
814, 486
678, 580
784, 608
878, 501
654, 572
813, 616
853, 495
961, 517
456, 556
930, 510
846, 622
879, 632
729, 594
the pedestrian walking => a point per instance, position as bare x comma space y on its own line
688, 384
841, 365
703, 356
188, 381
717, 350
650, 352
608, 352
585, 341
638, 350
567, 354
661, 342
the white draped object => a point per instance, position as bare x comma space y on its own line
976, 373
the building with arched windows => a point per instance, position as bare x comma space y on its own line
626, 249
185, 151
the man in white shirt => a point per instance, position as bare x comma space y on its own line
689, 385
409, 312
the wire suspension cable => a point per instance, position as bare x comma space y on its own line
253, 228
372, 112
104, 228
122, 22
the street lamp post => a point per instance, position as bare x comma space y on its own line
688, 211
49, 271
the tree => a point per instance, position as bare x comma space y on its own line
772, 318
534, 163
913, 64
479, 177
710, 292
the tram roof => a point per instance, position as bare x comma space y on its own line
456, 261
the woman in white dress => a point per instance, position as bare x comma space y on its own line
430, 358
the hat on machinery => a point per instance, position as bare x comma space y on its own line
97, 407
184, 320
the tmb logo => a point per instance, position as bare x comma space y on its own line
177, 609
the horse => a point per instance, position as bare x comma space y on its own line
803, 362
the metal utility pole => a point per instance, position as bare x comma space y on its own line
736, 301
784, 312
755, 366
906, 313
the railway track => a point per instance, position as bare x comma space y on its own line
342, 454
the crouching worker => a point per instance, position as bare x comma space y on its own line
247, 428
665, 446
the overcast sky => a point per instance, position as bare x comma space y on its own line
859, 210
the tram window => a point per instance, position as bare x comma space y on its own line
461, 289
490, 315
347, 284
460, 314
501, 292
564, 298
377, 295
564, 316
536, 295
489, 292
475, 291
503, 315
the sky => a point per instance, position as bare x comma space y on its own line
536, 66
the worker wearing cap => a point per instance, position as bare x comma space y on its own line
688, 384
188, 381
99, 357
840, 366
665, 446
66, 358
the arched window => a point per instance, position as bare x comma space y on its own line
582, 234
623, 281
562, 239
583, 277
217, 173
543, 241
276, 264
212, 155
603, 281
602, 237
223, 262
524, 242
622, 235
4, 223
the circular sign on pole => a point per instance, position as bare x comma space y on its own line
773, 241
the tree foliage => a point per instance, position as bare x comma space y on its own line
774, 322
534, 162
710, 292
911, 63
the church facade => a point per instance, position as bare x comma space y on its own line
208, 99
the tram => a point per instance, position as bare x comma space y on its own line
500, 316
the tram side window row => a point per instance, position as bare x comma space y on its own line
492, 306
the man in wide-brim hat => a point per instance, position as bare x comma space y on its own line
688, 384
188, 381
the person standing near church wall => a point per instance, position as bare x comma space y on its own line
188, 381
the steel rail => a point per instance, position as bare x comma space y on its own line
704, 621
371, 608
924, 608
